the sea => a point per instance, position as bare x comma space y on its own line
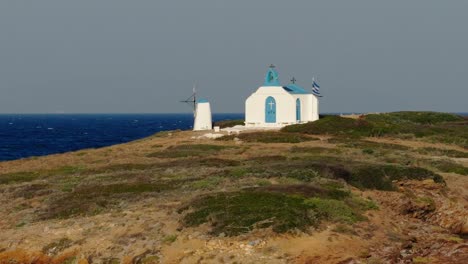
28, 135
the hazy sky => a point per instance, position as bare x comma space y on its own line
103, 56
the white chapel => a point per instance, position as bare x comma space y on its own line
274, 105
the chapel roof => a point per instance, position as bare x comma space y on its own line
272, 79
295, 89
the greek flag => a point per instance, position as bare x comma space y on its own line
315, 87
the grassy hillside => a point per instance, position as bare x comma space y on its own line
430, 126
364, 189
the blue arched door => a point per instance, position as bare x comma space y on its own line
298, 110
270, 110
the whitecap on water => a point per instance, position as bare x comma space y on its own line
50, 128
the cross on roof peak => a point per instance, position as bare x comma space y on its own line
293, 80
272, 66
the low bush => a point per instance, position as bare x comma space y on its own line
313, 150
27, 176
449, 166
31, 190
334, 210
268, 159
443, 127
368, 151
381, 177
417, 117
182, 151
120, 167
307, 190
220, 163
365, 144
18, 177
270, 137
443, 152
208, 183
240, 212
93, 199
333, 125
229, 123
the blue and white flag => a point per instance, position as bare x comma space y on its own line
315, 87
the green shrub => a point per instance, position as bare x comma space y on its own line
334, 210
182, 151
93, 199
380, 177
229, 123
236, 213
169, 239
18, 177
421, 117
307, 190
27, 176
365, 144
220, 163
302, 175
240, 212
449, 166
314, 150
270, 137
368, 151
443, 127
443, 152
333, 125
208, 183
120, 167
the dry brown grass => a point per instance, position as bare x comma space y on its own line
20, 256
125, 186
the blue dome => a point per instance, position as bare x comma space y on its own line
272, 78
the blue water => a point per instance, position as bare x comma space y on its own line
24, 136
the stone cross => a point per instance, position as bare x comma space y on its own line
293, 80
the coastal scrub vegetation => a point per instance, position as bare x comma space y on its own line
191, 150
448, 128
286, 209
229, 123
270, 137
93, 198
381, 177
449, 166
27, 176
233, 187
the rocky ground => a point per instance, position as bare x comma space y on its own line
143, 202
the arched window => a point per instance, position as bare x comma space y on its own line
270, 110
298, 110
